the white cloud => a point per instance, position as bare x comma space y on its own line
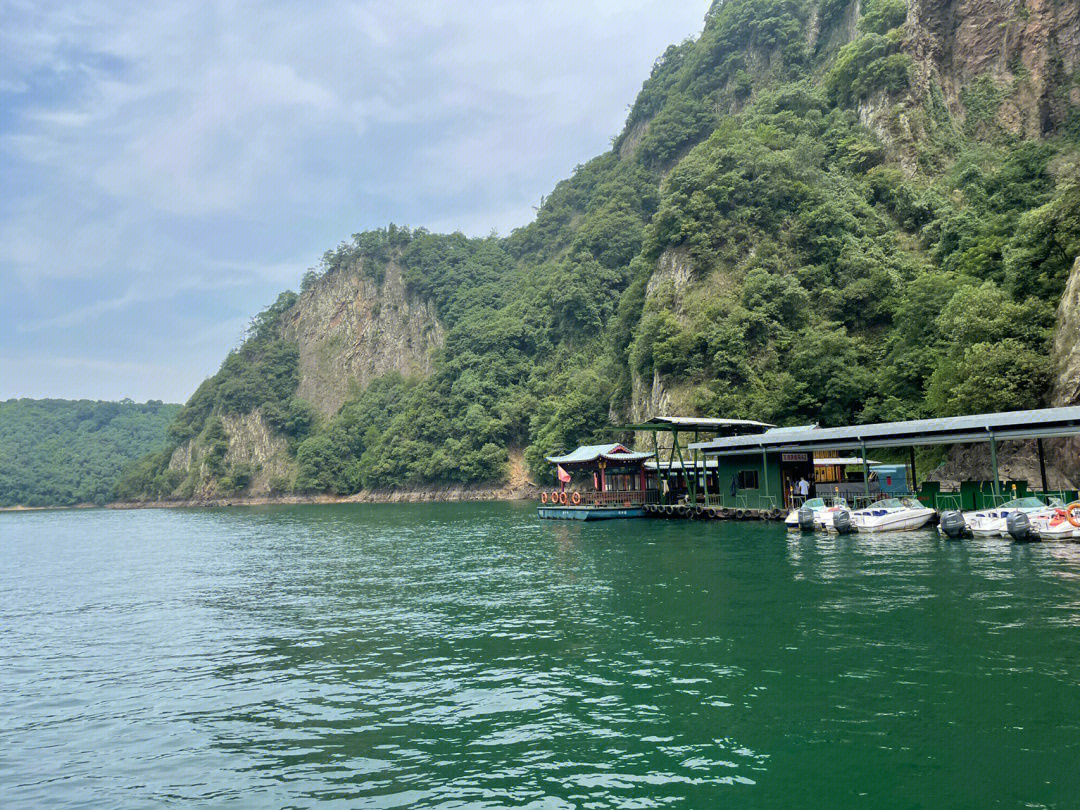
153, 152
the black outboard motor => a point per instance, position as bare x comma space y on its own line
1018, 525
842, 522
953, 525
806, 519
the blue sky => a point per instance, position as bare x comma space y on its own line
167, 168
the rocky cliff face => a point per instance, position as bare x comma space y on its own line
1028, 49
670, 282
1065, 453
1067, 343
1009, 64
250, 443
351, 329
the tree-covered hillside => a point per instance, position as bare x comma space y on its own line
789, 228
57, 452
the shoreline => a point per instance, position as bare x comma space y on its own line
21, 508
428, 494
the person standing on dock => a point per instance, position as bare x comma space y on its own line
803, 488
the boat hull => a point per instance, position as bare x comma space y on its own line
589, 512
1054, 527
893, 522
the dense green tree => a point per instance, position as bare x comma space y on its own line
59, 452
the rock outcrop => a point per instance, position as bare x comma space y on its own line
1017, 461
1028, 49
351, 329
1065, 453
1067, 343
252, 444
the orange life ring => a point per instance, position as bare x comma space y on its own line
576, 498
562, 498
1069, 513
554, 497
543, 497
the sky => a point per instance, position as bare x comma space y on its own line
167, 168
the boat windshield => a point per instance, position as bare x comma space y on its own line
815, 503
1023, 503
1055, 503
888, 503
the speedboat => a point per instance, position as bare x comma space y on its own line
1052, 523
821, 511
824, 519
993, 522
892, 515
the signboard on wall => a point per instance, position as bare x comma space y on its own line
794, 457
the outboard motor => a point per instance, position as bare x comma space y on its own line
953, 525
1018, 524
842, 522
806, 519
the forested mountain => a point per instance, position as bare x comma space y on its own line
58, 452
818, 211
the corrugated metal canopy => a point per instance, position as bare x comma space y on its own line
679, 465
702, 423
595, 452
1042, 423
851, 461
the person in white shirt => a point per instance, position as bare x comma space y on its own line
803, 487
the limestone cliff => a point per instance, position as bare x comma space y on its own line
348, 328
1067, 343
1066, 453
669, 287
1027, 50
351, 328
251, 446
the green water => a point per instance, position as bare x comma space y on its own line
471, 656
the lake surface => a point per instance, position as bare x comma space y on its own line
471, 656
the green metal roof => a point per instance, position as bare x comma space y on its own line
595, 452
1042, 423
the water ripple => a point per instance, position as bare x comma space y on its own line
470, 656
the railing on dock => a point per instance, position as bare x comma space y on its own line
636, 497
741, 501
610, 497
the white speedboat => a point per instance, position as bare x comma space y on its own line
992, 522
822, 512
824, 520
892, 515
1052, 523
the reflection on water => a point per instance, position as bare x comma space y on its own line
472, 656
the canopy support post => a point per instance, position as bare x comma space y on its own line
994, 464
866, 474
704, 472
659, 467
765, 472
671, 461
1042, 466
914, 476
690, 488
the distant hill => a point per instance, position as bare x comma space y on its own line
823, 211
58, 452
